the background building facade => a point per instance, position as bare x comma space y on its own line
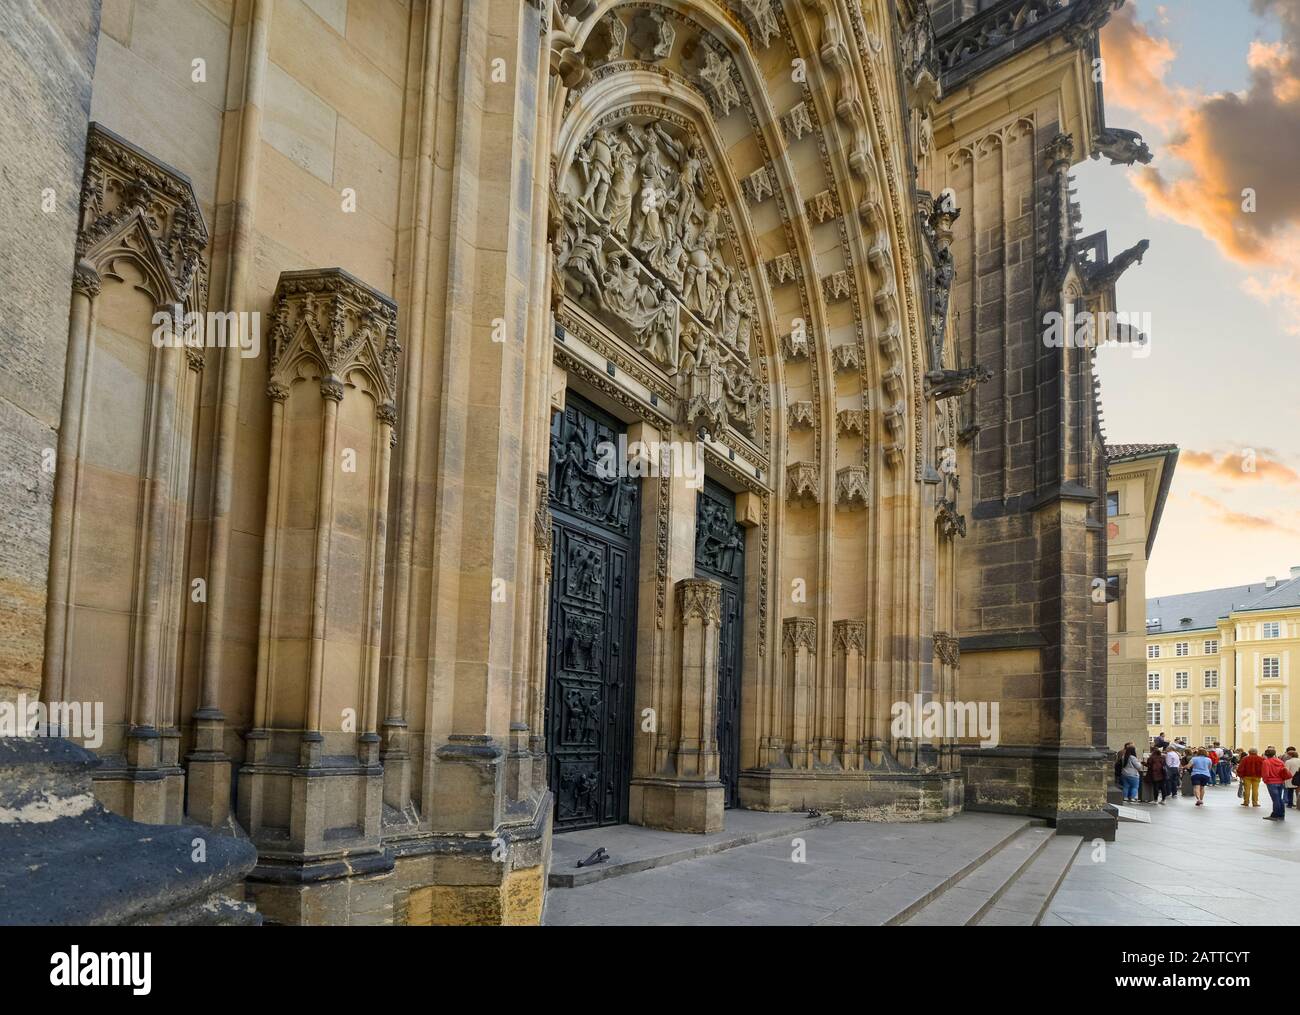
1221, 664
1137, 483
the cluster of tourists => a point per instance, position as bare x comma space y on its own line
1173, 768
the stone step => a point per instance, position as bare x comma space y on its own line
633, 848
899, 901
964, 901
1025, 902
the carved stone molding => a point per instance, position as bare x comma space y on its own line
837, 286
847, 356
803, 482
850, 421
699, 597
606, 41
800, 415
849, 635
134, 206
795, 347
822, 206
947, 648
761, 21
86, 280
340, 325
796, 122
799, 632
782, 269
715, 76
951, 523
758, 185
652, 36
851, 487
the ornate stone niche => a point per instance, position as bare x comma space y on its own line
851, 487
850, 421
117, 591
761, 21
803, 482
333, 380
796, 123
643, 246
758, 185
799, 415
846, 356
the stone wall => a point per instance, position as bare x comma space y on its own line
48, 51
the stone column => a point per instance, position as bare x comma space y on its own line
209, 764
800, 661
691, 798
333, 349
849, 642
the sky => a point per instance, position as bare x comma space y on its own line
1214, 88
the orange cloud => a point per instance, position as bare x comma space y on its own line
1235, 152
1136, 64
1245, 465
1224, 515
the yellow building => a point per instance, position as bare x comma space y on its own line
1221, 664
1137, 482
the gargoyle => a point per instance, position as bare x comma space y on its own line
1102, 276
950, 383
1122, 147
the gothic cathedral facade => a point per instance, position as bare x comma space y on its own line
481, 419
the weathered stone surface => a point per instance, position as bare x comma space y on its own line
64, 859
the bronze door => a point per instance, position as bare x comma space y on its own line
720, 555
590, 660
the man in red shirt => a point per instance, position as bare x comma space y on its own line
1275, 778
1250, 770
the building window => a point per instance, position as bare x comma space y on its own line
1272, 668
1212, 646
1208, 742
1272, 629
1153, 651
1211, 679
1153, 713
1153, 681
1182, 713
1182, 680
1181, 648
1210, 713
1270, 706
1112, 503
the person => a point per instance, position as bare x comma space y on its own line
1156, 775
1173, 763
1161, 741
1292, 762
1130, 772
1225, 764
1213, 754
1202, 772
1275, 778
1250, 770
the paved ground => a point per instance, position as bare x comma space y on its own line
852, 873
1214, 865
1191, 866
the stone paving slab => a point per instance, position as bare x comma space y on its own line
851, 873
1216, 865
633, 848
976, 893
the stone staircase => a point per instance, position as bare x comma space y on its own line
1010, 887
